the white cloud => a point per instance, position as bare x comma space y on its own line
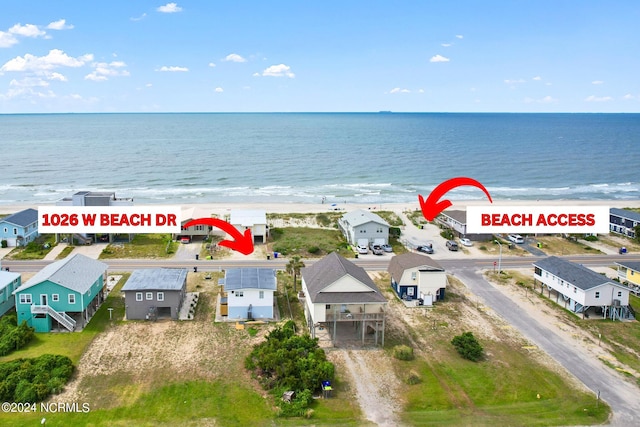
537, 78
545, 100
420, 90
29, 82
459, 36
173, 69
234, 57
57, 76
139, 18
219, 90
102, 71
593, 98
60, 24
212, 65
628, 96
54, 59
169, 8
7, 40
280, 70
597, 82
398, 90
256, 74
28, 30
439, 58
148, 85
446, 44
514, 81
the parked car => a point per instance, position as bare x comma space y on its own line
516, 238
387, 248
185, 240
363, 246
465, 242
427, 249
377, 250
451, 245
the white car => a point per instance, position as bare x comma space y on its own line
516, 238
465, 242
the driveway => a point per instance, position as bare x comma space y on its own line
614, 389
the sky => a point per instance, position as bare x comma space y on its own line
319, 56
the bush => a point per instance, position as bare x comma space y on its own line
447, 234
468, 346
13, 336
413, 378
4, 243
33, 380
403, 352
591, 238
313, 250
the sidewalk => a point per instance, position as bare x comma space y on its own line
53, 254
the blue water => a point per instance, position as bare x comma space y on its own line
358, 158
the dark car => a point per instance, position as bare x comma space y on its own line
453, 246
427, 249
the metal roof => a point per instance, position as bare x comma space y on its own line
7, 277
632, 215
156, 279
248, 217
77, 273
402, 262
360, 216
575, 274
250, 278
22, 218
331, 268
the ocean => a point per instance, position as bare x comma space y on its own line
306, 158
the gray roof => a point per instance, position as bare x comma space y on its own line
456, 215
156, 279
22, 218
7, 277
631, 265
400, 263
77, 273
250, 278
575, 274
360, 216
632, 215
331, 268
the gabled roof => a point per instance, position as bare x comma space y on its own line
195, 212
331, 268
77, 273
156, 279
631, 265
250, 278
248, 217
360, 216
632, 215
575, 274
456, 215
22, 218
7, 277
400, 263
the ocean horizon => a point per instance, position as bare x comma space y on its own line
366, 157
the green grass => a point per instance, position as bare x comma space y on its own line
65, 252
142, 246
35, 249
291, 241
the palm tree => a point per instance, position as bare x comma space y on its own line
293, 267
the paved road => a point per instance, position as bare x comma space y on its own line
623, 397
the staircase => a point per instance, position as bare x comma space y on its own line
62, 317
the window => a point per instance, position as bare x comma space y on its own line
575, 290
619, 294
149, 296
15, 231
138, 296
413, 275
239, 294
160, 296
410, 291
55, 297
72, 299
327, 307
6, 230
261, 295
25, 298
597, 294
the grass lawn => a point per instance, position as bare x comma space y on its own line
37, 249
556, 245
65, 252
142, 246
309, 242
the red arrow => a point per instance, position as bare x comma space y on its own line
241, 243
431, 207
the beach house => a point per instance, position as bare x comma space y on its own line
341, 298
64, 294
197, 232
251, 219
154, 293
622, 221
629, 274
417, 277
364, 224
19, 228
249, 292
581, 290
456, 220
9, 282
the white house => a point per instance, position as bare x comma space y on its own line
250, 292
199, 231
578, 288
362, 224
415, 276
340, 296
253, 219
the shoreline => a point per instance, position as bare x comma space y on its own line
221, 208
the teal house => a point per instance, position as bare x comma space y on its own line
63, 295
9, 282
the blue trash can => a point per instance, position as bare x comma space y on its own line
275, 254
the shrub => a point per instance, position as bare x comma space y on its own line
323, 220
413, 378
591, 238
468, 346
33, 380
13, 336
4, 243
313, 250
403, 352
447, 234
